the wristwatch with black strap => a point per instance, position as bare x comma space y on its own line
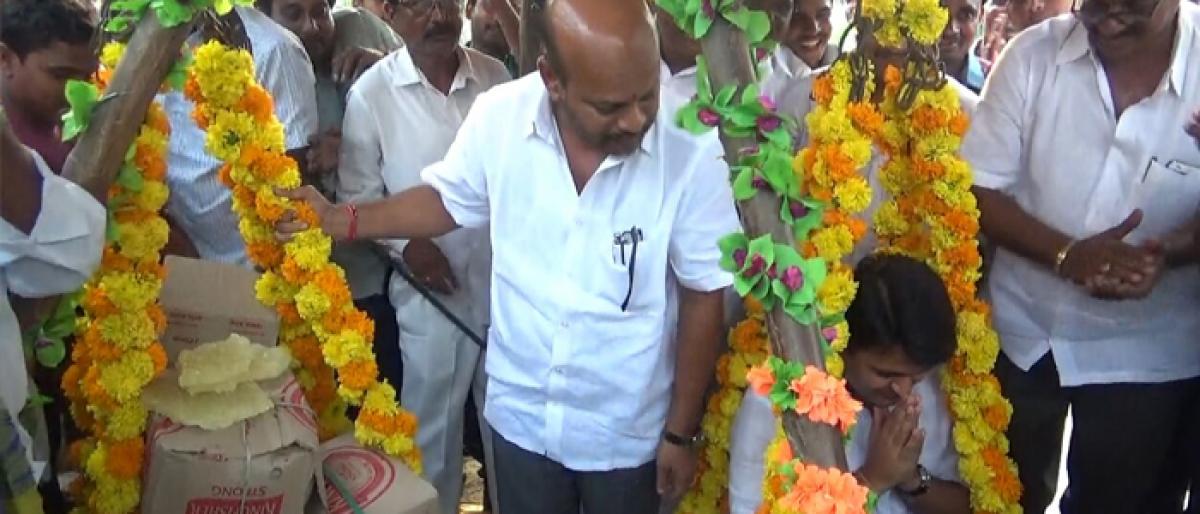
686, 442
924, 478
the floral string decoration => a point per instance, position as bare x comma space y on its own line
117, 352
320, 324
748, 344
917, 124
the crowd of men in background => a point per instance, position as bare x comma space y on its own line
1088, 189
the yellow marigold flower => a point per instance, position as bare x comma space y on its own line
222, 73
130, 291
835, 365
878, 9
310, 249
227, 133
124, 379
128, 329
128, 421
152, 197
312, 302
111, 54
853, 195
833, 243
924, 20
143, 241
836, 292
889, 35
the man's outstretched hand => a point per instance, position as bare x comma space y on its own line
337, 226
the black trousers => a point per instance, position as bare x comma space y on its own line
533, 484
1129, 448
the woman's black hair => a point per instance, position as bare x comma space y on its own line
901, 301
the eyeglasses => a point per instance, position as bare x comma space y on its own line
425, 7
629, 238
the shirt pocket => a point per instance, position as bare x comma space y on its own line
1168, 195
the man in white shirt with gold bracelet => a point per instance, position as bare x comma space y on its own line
1088, 183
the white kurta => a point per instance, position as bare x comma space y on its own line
56, 257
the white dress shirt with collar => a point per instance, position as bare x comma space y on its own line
199, 203
1045, 133
56, 257
679, 87
572, 375
396, 124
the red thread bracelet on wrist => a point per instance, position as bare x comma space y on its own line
352, 233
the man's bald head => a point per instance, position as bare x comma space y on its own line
597, 34
601, 69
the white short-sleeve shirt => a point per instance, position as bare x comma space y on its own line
55, 257
1046, 134
570, 374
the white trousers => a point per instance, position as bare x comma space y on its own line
439, 367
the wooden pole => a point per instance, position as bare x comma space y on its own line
100, 150
728, 55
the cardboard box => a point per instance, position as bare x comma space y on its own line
206, 301
263, 465
378, 483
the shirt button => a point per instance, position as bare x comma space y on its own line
564, 324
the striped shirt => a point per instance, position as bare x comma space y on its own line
199, 203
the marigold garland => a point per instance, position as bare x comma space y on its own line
320, 324
933, 217
748, 344
117, 352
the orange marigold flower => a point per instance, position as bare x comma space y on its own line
191, 89
268, 206
747, 336
288, 313
306, 214
71, 382
156, 314
892, 78
865, 116
158, 356
333, 285
124, 459
97, 304
927, 118
224, 175
825, 399
200, 116
823, 88
996, 417
292, 272
266, 255
959, 124
761, 379
359, 374
258, 103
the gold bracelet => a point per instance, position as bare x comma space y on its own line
1062, 256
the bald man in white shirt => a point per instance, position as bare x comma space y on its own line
1088, 183
593, 196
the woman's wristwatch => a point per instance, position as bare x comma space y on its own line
922, 486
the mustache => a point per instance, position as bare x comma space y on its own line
441, 29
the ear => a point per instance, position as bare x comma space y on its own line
8, 60
554, 84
